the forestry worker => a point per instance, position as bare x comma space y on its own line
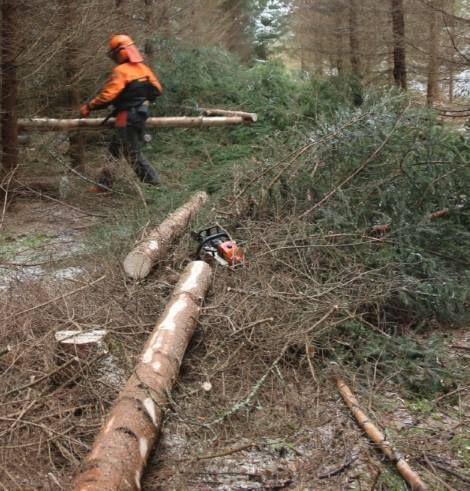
130, 88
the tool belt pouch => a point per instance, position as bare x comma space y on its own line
122, 119
137, 116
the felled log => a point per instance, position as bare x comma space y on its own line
50, 124
248, 117
121, 450
154, 247
378, 438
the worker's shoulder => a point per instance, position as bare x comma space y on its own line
125, 68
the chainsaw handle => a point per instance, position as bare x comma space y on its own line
209, 238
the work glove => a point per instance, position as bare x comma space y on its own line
85, 111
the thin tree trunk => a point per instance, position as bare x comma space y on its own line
149, 30
379, 439
77, 147
49, 124
433, 61
121, 450
140, 261
9, 85
399, 52
354, 39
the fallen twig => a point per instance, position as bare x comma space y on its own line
40, 379
245, 402
443, 467
340, 469
55, 299
46, 196
378, 438
222, 453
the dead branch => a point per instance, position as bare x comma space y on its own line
379, 439
121, 450
55, 299
245, 402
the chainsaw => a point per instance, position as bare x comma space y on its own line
215, 242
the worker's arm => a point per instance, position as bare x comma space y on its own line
154, 82
112, 88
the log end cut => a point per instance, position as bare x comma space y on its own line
137, 265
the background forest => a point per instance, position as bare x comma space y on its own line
349, 195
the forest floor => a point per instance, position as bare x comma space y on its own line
295, 434
61, 249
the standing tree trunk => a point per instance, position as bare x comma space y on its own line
354, 39
9, 31
399, 53
71, 66
149, 30
433, 60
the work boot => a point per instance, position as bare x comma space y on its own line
105, 182
146, 172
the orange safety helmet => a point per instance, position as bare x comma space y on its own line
122, 48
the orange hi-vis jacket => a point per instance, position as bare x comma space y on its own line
130, 84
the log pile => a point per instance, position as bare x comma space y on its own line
121, 450
140, 261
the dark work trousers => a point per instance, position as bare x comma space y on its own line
127, 142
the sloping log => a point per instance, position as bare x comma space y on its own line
121, 450
378, 438
248, 117
140, 261
50, 124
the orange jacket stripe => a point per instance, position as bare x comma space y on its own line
121, 76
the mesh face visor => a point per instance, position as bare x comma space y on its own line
124, 53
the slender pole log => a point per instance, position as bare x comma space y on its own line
50, 124
121, 450
378, 438
249, 117
140, 261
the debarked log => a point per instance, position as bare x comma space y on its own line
50, 124
140, 261
121, 450
408, 474
248, 117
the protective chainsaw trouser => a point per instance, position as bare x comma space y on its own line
127, 142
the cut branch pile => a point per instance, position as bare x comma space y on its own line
121, 450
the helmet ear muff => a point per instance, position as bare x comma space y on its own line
117, 55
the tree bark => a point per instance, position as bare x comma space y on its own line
77, 144
121, 450
9, 85
354, 39
149, 30
49, 124
140, 261
250, 117
379, 439
399, 52
433, 61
